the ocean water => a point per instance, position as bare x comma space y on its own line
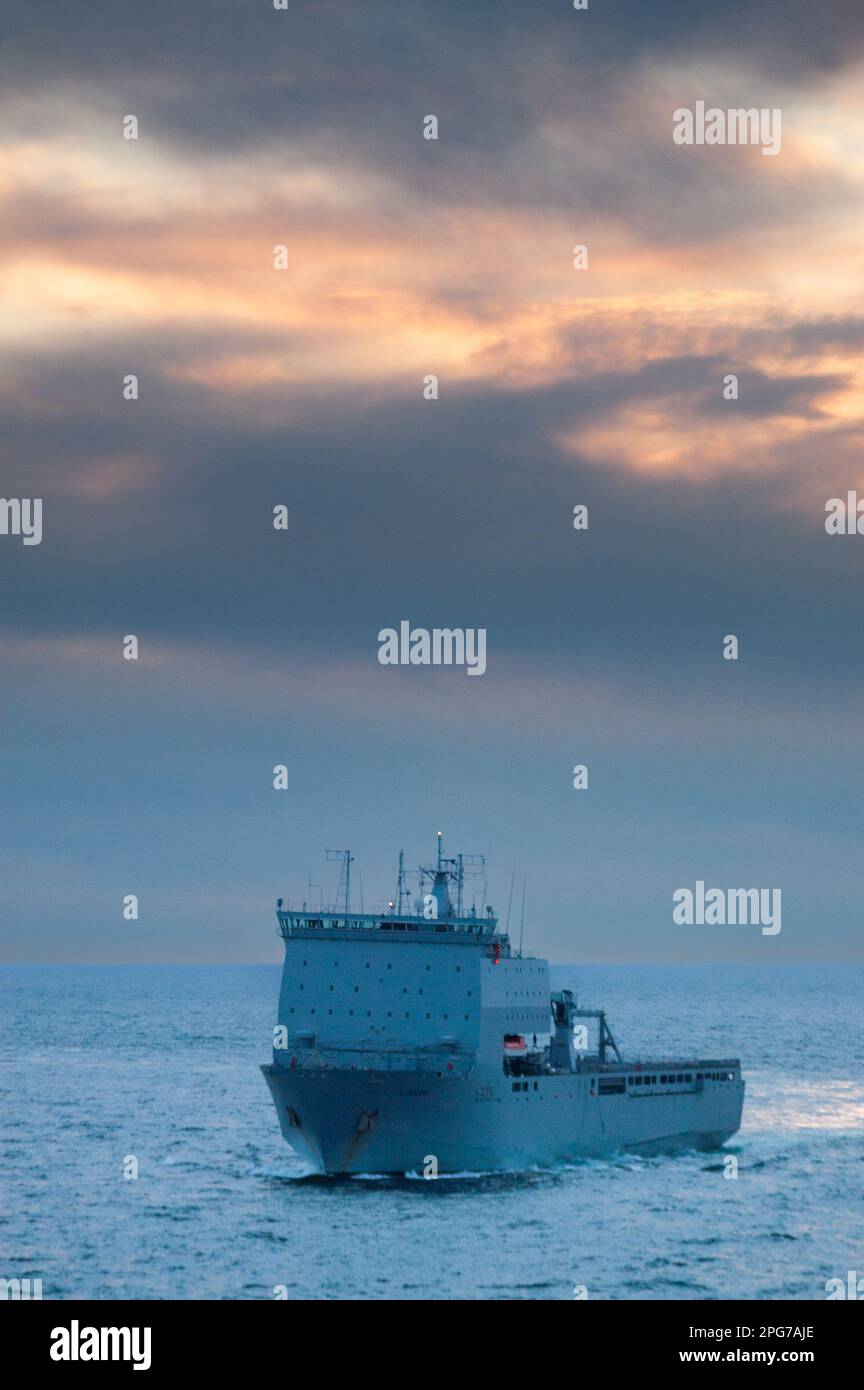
162, 1063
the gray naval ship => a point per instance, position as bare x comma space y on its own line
416, 1040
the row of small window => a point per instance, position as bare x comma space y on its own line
457, 968
523, 1085
680, 1077
369, 1013
404, 989
663, 1080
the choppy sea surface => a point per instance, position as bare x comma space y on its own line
161, 1063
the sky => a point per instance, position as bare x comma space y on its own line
304, 387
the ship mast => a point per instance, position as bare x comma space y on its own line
344, 889
400, 882
449, 871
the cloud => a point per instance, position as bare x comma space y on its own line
304, 387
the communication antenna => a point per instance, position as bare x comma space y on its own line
522, 923
344, 889
401, 890
510, 899
468, 866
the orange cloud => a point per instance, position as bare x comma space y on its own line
385, 284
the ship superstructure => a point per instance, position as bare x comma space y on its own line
416, 1036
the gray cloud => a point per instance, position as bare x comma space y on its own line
604, 646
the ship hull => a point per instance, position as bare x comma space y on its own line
353, 1121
